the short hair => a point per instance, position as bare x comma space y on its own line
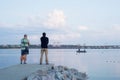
25, 35
44, 34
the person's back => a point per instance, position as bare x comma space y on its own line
44, 45
44, 42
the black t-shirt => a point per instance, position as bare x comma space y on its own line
44, 42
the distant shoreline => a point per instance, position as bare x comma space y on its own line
63, 47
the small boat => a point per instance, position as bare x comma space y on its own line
81, 51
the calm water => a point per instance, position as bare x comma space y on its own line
98, 64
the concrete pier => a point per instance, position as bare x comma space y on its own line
21, 71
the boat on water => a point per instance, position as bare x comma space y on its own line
81, 51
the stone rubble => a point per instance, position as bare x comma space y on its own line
58, 73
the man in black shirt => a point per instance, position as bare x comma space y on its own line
44, 47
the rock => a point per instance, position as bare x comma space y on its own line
57, 73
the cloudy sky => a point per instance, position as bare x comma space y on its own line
90, 22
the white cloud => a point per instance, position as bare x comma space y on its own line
29, 22
116, 27
82, 28
111, 31
56, 19
34, 21
13, 25
63, 38
6, 25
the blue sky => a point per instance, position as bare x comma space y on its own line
93, 22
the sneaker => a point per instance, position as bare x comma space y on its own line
25, 63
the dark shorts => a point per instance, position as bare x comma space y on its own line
25, 51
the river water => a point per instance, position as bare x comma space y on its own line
99, 64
